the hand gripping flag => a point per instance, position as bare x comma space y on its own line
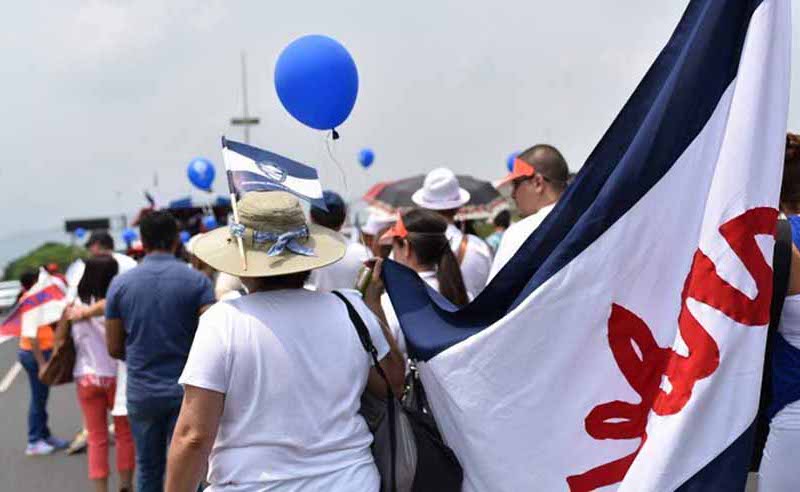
622, 346
41, 305
253, 169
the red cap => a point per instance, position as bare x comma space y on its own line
521, 169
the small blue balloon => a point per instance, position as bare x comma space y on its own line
317, 81
80, 232
366, 157
201, 173
209, 222
510, 160
129, 235
185, 236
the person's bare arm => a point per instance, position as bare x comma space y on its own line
394, 363
193, 438
115, 338
794, 273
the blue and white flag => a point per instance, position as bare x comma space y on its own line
252, 169
622, 347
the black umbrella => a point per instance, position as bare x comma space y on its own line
392, 197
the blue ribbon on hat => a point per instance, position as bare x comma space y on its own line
286, 240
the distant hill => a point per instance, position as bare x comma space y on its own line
61, 254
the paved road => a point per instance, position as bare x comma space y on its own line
19, 473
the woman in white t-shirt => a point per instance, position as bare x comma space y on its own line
419, 242
274, 379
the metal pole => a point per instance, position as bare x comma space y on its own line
244, 99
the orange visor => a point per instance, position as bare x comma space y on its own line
398, 230
521, 169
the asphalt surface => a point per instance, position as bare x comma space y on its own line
57, 472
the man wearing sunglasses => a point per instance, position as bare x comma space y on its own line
539, 178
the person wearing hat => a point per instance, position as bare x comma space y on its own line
539, 178
441, 193
274, 379
343, 273
376, 224
418, 241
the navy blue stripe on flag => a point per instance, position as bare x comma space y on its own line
293, 168
664, 115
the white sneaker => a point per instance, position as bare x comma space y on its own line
39, 448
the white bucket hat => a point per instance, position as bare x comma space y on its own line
441, 191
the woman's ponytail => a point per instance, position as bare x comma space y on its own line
451, 283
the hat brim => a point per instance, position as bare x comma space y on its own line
511, 177
220, 251
419, 198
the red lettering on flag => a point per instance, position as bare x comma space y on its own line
624, 420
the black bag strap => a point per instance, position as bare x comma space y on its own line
366, 342
781, 270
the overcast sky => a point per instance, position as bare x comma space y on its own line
98, 96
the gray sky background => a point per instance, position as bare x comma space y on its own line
98, 96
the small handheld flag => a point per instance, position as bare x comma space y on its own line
253, 169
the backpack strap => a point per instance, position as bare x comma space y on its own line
366, 342
462, 248
781, 270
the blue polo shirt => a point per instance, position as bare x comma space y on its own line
158, 303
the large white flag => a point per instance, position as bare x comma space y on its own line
622, 346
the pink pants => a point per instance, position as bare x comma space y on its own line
96, 401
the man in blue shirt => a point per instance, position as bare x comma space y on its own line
151, 318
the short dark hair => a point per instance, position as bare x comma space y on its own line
548, 162
28, 278
102, 238
336, 214
97, 277
503, 219
159, 231
790, 188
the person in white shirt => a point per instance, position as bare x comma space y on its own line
539, 178
418, 241
343, 273
441, 192
274, 379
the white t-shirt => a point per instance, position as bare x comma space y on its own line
391, 315
292, 369
477, 260
514, 236
91, 354
125, 262
343, 273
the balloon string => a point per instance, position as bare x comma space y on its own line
332, 155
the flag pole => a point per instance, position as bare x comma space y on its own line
234, 206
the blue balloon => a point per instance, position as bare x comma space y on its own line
209, 222
366, 157
129, 235
185, 236
80, 232
510, 160
317, 81
201, 173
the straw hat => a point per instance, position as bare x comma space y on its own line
277, 239
440, 191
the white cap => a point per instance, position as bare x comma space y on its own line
441, 191
377, 222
